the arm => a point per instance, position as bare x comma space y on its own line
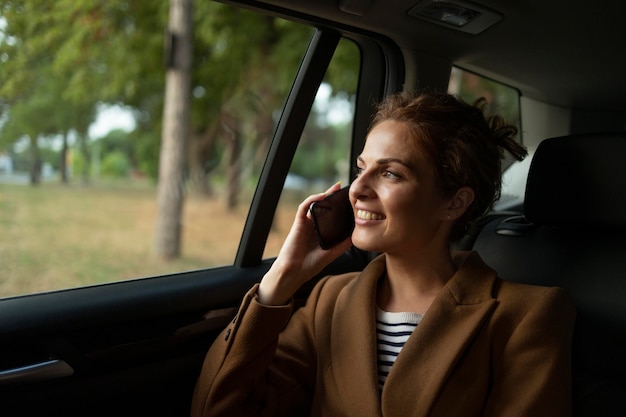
244, 373
532, 373
300, 257
233, 377
257, 368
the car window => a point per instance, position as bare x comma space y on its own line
500, 97
504, 100
81, 122
323, 154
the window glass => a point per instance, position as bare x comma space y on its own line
323, 154
82, 121
500, 97
504, 100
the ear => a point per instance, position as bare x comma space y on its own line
459, 203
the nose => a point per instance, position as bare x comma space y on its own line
360, 187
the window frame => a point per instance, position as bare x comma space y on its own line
30, 318
374, 82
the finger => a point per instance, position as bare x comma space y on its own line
305, 206
335, 187
318, 197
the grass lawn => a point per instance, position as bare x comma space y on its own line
54, 236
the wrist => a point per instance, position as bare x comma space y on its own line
271, 292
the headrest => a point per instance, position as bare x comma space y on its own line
578, 181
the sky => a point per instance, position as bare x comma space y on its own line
109, 118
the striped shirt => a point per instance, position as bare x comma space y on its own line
392, 331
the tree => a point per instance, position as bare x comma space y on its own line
40, 99
33, 105
112, 53
175, 131
242, 81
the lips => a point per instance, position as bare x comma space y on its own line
368, 215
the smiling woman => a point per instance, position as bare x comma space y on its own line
416, 183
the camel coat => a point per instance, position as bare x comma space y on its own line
485, 347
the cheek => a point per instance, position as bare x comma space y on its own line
405, 205
403, 219
415, 212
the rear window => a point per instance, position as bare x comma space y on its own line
504, 100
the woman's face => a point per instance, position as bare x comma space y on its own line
397, 206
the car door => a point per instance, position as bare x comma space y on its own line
135, 346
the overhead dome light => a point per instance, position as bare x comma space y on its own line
459, 15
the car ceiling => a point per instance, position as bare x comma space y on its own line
565, 53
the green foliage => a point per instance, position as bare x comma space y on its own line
343, 72
238, 56
60, 60
115, 165
147, 150
116, 139
66, 56
78, 164
50, 156
501, 98
312, 158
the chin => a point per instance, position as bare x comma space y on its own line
368, 244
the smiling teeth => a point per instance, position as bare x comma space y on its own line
368, 215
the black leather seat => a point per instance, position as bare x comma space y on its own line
572, 234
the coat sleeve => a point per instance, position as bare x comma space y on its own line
532, 370
262, 364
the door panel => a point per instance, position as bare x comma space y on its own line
128, 347
132, 348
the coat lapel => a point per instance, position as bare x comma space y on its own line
447, 328
426, 360
353, 343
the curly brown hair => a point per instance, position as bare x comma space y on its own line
465, 146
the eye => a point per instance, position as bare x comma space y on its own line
390, 175
358, 171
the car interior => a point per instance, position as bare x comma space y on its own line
136, 347
578, 250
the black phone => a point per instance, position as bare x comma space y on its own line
333, 218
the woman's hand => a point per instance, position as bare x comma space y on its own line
300, 257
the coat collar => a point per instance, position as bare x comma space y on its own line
448, 326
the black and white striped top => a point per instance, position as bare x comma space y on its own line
392, 331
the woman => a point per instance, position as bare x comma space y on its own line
421, 331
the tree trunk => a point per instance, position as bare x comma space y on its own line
232, 137
82, 141
35, 161
176, 124
63, 161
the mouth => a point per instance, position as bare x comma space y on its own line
368, 215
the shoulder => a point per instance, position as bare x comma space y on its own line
475, 273
551, 302
515, 301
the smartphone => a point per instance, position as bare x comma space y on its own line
333, 218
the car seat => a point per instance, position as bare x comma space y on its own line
572, 234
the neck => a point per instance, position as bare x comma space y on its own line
412, 283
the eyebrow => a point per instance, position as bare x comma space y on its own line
385, 161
